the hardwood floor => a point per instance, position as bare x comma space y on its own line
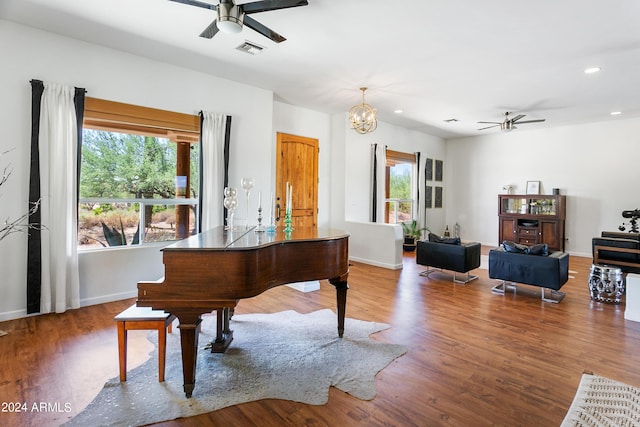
474, 359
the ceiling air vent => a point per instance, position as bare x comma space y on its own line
250, 48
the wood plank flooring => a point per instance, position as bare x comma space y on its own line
475, 358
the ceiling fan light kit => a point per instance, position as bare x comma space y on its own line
230, 18
363, 116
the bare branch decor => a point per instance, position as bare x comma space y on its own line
20, 224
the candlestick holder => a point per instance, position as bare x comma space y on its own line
247, 184
230, 203
287, 222
271, 228
260, 228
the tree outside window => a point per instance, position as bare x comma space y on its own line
399, 188
120, 173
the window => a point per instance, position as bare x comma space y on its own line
138, 175
399, 187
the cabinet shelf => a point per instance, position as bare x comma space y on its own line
532, 219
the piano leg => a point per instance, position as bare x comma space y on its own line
341, 295
189, 332
224, 334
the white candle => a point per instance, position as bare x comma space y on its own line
291, 199
260, 200
272, 208
286, 197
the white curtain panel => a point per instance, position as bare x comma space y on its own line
58, 209
213, 131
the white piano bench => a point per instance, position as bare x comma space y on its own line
143, 318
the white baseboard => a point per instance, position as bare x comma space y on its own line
108, 298
19, 314
376, 263
16, 314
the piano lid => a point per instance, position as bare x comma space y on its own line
219, 239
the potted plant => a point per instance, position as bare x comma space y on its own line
412, 232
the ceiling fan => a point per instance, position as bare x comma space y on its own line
231, 16
509, 124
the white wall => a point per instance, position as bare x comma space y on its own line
595, 165
358, 166
114, 75
376, 244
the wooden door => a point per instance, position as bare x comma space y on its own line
297, 164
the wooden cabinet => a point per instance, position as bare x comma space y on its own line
508, 229
532, 219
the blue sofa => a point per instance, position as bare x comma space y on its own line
547, 272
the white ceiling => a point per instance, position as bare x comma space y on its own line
436, 60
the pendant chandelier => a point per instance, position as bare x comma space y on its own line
363, 116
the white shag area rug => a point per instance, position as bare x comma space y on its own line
285, 355
601, 402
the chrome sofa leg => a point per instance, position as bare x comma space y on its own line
470, 277
428, 271
502, 287
556, 296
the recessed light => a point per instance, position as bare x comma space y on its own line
592, 70
398, 111
615, 113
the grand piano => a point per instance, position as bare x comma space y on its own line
213, 270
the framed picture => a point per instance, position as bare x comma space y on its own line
533, 187
438, 202
428, 170
438, 170
428, 196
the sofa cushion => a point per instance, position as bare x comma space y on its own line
448, 240
514, 247
539, 249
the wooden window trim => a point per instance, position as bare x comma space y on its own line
397, 157
101, 114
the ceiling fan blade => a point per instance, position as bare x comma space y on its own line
267, 32
516, 118
532, 121
210, 31
197, 4
489, 126
496, 123
266, 5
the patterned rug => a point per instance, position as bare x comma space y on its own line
285, 355
601, 402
